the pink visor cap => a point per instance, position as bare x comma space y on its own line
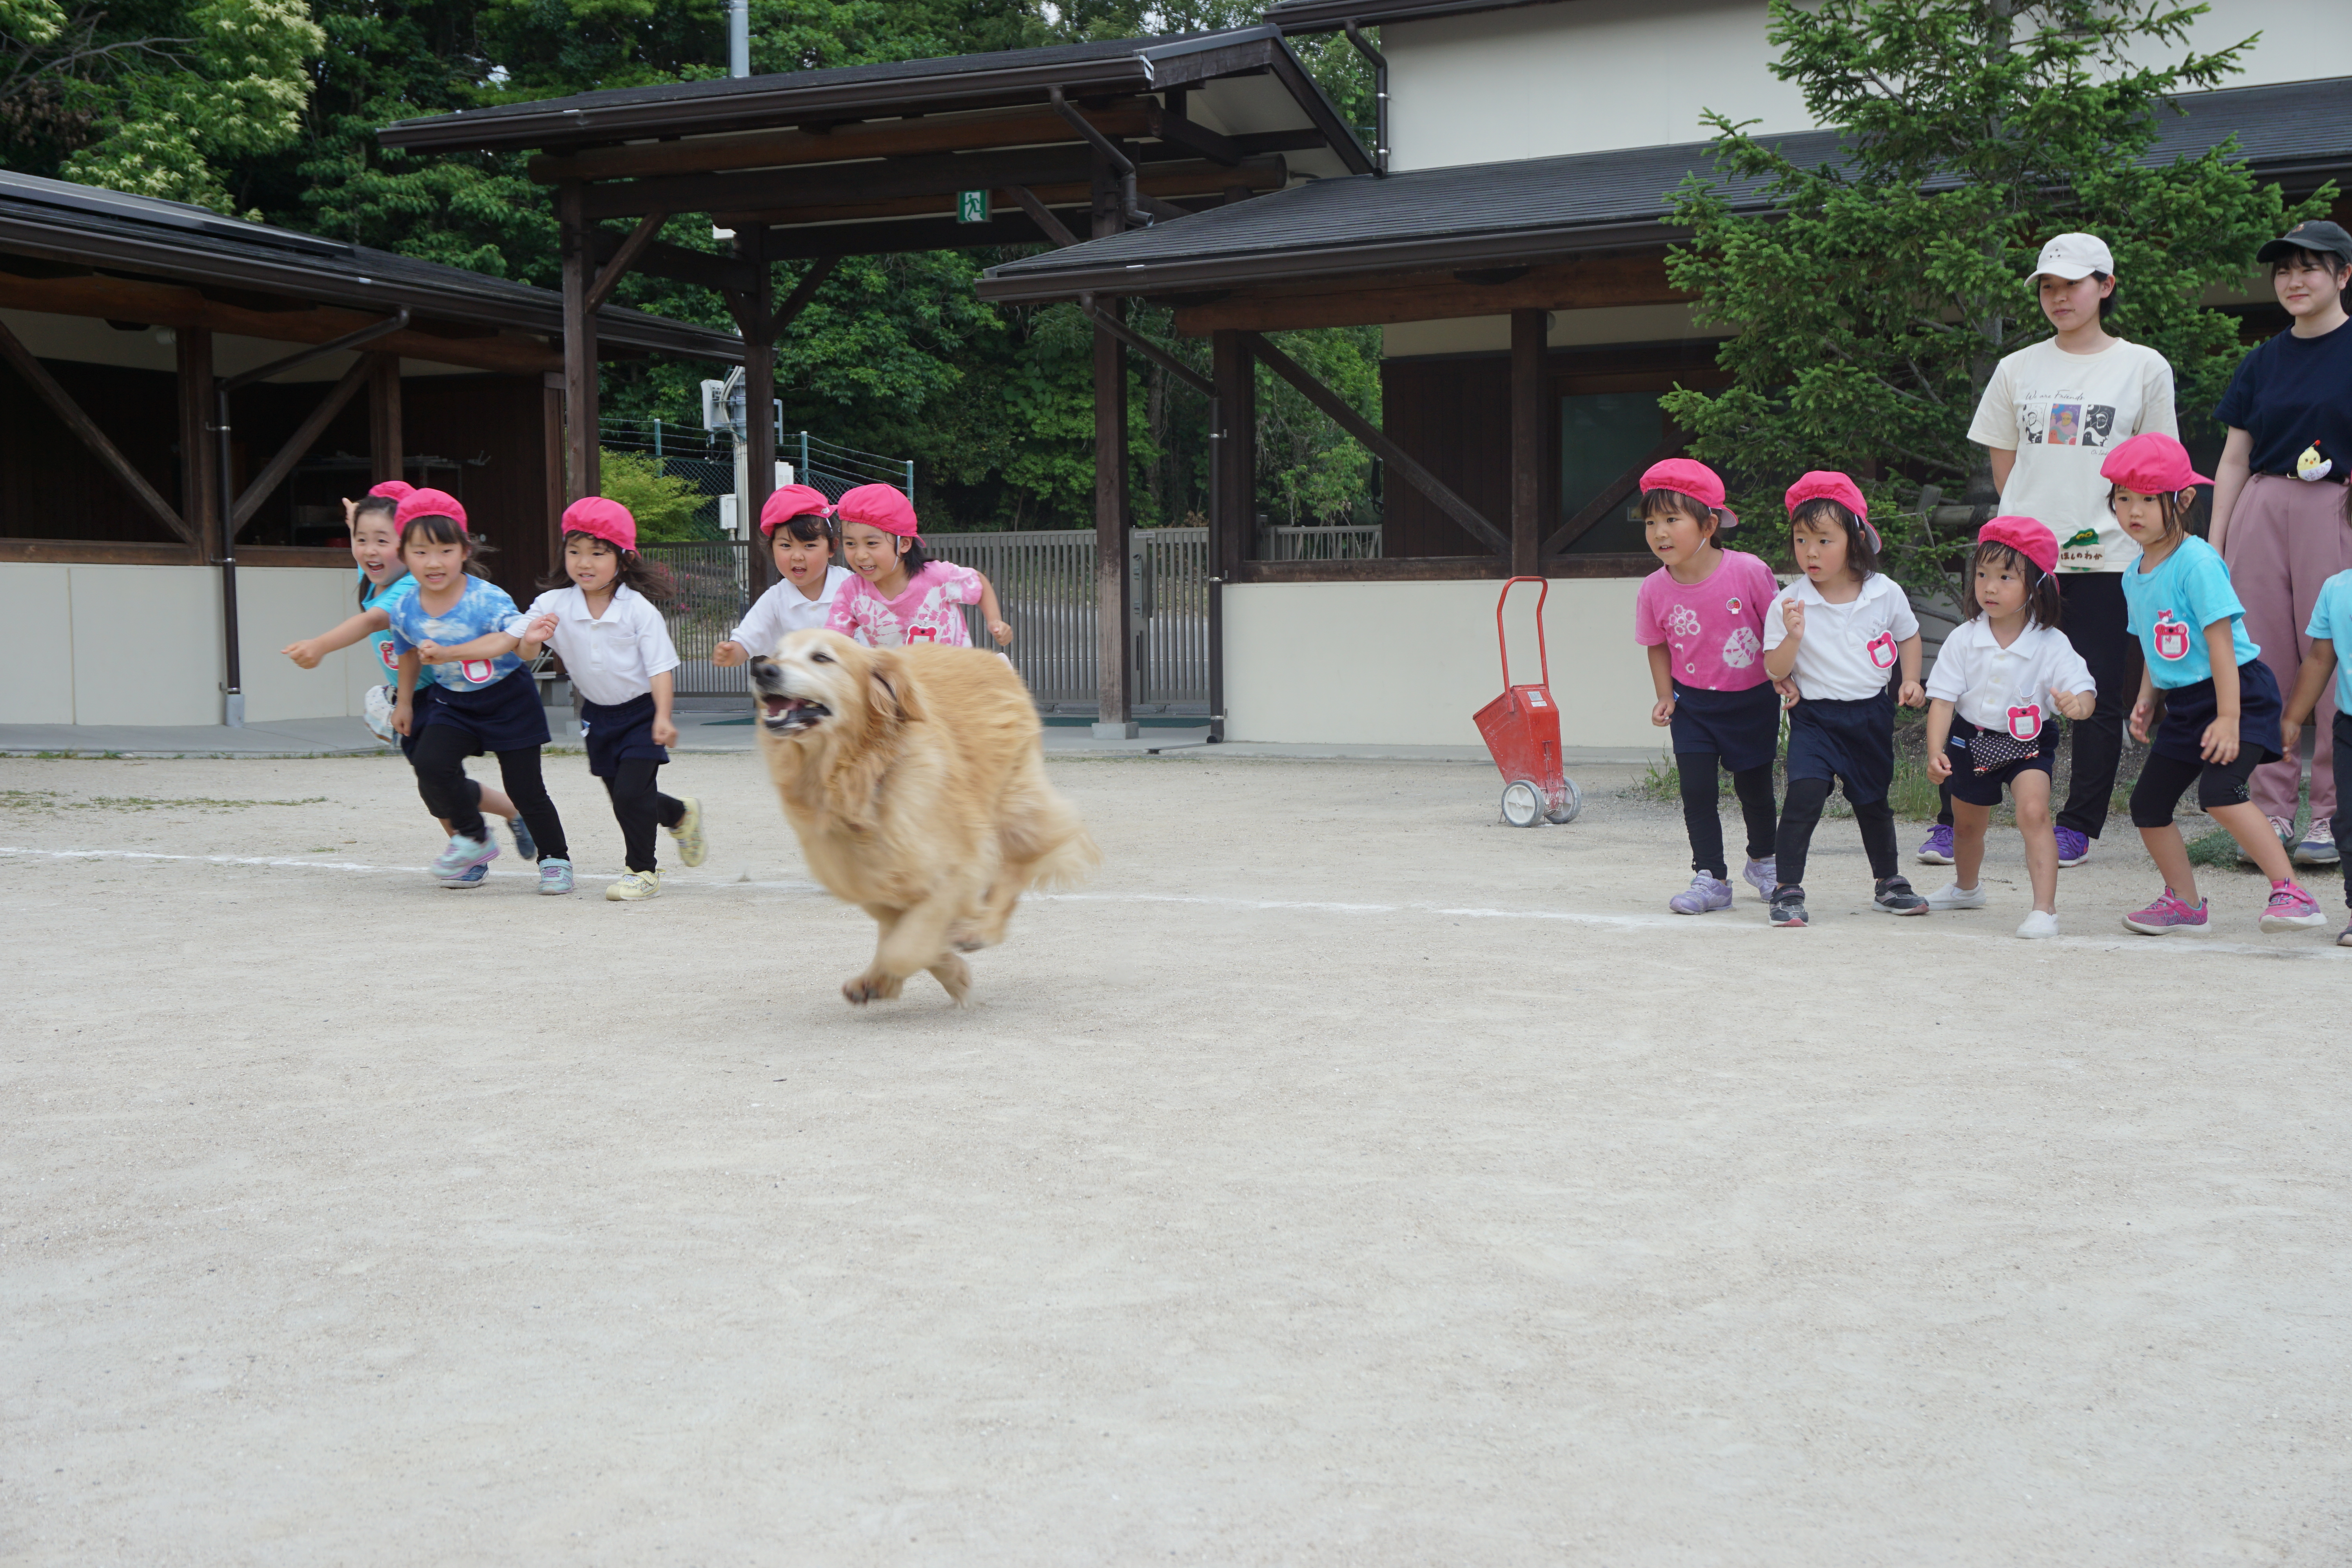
2152, 463
600, 518
1827, 484
879, 506
2026, 535
792, 501
430, 503
393, 490
1687, 477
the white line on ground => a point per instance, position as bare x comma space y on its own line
2194, 945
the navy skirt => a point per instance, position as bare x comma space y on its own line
2188, 710
504, 716
619, 732
1743, 728
420, 713
1850, 741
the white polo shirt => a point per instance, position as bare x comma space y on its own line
612, 658
2008, 690
1851, 650
784, 608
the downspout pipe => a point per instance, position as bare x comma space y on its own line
233, 689
739, 37
1130, 204
1379, 95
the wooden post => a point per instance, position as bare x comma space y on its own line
581, 476
199, 447
385, 436
551, 447
1528, 329
1232, 509
1113, 592
758, 405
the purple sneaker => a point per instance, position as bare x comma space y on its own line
1763, 876
1704, 893
2166, 915
1937, 850
2292, 908
462, 854
2073, 848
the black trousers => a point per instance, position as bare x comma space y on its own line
1701, 792
638, 805
2094, 621
1802, 813
440, 762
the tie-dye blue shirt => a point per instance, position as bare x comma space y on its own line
482, 608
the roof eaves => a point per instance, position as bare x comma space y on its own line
1331, 15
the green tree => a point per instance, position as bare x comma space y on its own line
1873, 301
663, 504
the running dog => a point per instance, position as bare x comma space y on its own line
915, 779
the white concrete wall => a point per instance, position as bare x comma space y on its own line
142, 645
1540, 81
1409, 663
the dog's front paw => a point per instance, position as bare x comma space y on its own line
872, 986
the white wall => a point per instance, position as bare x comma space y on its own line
1409, 663
142, 645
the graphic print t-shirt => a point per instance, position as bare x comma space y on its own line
926, 612
483, 607
382, 599
1713, 630
2293, 396
2062, 413
2170, 607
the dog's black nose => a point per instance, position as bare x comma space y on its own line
763, 667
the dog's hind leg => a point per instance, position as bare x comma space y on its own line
916, 941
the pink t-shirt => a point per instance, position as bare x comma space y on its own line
926, 612
1713, 630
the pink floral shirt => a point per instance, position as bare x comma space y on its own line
1712, 630
926, 612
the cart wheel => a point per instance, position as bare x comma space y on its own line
1523, 804
1567, 813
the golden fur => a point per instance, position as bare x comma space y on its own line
915, 779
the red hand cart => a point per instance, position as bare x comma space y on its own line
1522, 731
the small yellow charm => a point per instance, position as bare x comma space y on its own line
2314, 464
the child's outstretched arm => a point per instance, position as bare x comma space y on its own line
1939, 730
310, 650
1913, 694
2318, 667
1662, 682
489, 645
991, 612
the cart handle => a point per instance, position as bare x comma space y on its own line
1543, 655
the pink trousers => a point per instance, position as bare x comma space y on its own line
2287, 537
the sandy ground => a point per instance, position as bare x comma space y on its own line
1345, 1178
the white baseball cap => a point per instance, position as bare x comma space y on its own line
2074, 256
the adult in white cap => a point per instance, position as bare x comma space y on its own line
2279, 499
2049, 417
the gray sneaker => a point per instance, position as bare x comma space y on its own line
554, 876
1894, 897
1788, 906
1704, 893
1952, 896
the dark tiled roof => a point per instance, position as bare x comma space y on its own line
1529, 209
59, 221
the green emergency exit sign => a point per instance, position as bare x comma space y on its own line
972, 206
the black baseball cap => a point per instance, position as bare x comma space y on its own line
2318, 237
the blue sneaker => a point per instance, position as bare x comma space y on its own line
554, 876
472, 879
1937, 850
2073, 848
462, 856
1704, 893
525, 845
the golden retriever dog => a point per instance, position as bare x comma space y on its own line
915, 779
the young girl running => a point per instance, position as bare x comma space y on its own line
485, 700
798, 522
1840, 631
1988, 701
1701, 616
2221, 708
899, 594
617, 650
375, 547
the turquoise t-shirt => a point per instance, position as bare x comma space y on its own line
378, 598
483, 607
2172, 606
2331, 617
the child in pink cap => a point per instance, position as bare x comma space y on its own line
900, 595
798, 524
602, 614
1701, 617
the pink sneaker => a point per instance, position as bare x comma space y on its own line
2292, 908
2166, 914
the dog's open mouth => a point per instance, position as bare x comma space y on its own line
790, 715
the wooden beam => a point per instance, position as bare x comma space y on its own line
185, 309
616, 267
1382, 568
581, 475
551, 446
1160, 181
1614, 495
1236, 468
1170, 125
100, 552
803, 292
1383, 298
1118, 328
660, 259
199, 450
871, 139
61, 404
901, 236
1399, 461
298, 445
1527, 446
384, 435
1054, 230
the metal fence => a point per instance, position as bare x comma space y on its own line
1342, 542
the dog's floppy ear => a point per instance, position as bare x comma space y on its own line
890, 691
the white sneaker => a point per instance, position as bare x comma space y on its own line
636, 885
2039, 923
1952, 896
